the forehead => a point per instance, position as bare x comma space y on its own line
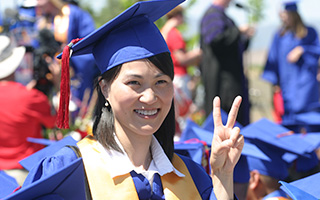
142, 66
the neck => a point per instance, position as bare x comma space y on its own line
137, 149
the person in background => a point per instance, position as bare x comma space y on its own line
223, 44
292, 65
23, 113
265, 175
131, 152
67, 21
181, 59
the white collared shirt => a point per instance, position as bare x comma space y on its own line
121, 163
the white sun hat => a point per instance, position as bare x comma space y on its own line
10, 56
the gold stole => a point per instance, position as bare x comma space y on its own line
102, 186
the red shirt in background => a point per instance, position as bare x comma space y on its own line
175, 42
22, 113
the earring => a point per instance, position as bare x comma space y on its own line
106, 104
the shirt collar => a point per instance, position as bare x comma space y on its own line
159, 164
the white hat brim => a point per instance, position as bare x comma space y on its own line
10, 64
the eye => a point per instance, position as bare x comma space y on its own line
161, 82
133, 83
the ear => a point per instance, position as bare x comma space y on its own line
254, 179
104, 88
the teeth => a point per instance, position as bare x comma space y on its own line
146, 112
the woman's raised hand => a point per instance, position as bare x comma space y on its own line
227, 144
227, 141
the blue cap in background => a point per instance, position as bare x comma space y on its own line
306, 188
33, 159
66, 183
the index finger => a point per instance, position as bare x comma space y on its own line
234, 112
216, 112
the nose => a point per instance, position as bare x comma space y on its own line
148, 96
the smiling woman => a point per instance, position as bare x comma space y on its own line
130, 154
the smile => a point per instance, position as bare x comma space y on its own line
147, 112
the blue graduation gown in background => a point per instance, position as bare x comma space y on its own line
80, 25
297, 80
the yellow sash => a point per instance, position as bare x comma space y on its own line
102, 186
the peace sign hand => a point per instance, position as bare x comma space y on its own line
227, 141
227, 144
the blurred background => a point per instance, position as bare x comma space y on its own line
261, 14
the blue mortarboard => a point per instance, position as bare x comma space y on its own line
194, 131
276, 167
276, 135
296, 193
208, 124
192, 149
7, 184
310, 121
31, 160
132, 35
305, 187
40, 141
66, 183
291, 6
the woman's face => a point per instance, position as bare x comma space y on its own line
286, 19
140, 97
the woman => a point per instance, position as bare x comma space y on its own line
292, 65
130, 155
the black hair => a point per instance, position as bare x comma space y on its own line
103, 127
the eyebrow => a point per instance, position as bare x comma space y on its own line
139, 76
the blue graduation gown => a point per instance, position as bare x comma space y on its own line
297, 80
80, 25
65, 156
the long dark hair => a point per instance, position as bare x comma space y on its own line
298, 26
103, 127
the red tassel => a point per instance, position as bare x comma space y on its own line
63, 112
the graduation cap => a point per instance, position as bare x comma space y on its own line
132, 35
296, 193
309, 121
7, 184
276, 135
193, 149
305, 188
276, 167
208, 124
66, 183
31, 160
290, 5
194, 131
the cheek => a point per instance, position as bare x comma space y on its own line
167, 94
121, 97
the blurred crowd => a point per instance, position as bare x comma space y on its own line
30, 88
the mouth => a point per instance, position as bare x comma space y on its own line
147, 113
